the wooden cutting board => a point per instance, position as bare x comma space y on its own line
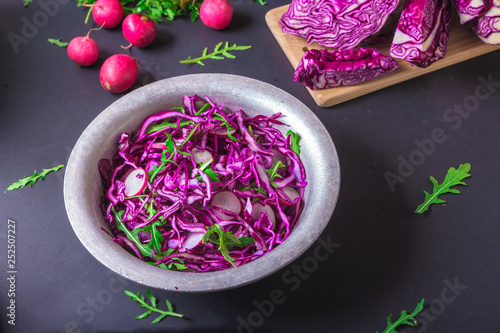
462, 45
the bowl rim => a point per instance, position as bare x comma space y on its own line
87, 221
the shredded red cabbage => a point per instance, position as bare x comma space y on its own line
190, 155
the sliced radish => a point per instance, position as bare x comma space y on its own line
135, 182
201, 155
159, 145
222, 131
228, 201
291, 193
258, 209
277, 156
192, 240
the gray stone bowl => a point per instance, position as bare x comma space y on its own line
83, 188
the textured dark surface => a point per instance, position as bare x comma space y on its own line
382, 257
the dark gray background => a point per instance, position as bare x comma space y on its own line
385, 257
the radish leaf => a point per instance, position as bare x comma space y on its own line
453, 177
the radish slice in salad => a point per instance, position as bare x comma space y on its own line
135, 182
193, 239
258, 209
226, 200
201, 155
291, 194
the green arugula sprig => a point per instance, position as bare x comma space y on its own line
26, 3
57, 42
153, 248
404, 319
153, 307
295, 141
217, 54
145, 249
225, 240
273, 172
453, 177
170, 148
212, 175
31, 180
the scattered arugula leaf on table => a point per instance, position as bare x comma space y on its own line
153, 307
57, 42
217, 54
453, 177
26, 3
404, 319
31, 180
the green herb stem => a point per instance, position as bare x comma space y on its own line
31, 180
153, 307
217, 54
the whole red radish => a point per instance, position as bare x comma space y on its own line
118, 73
139, 30
83, 50
107, 13
216, 14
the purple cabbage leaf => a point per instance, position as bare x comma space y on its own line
487, 27
341, 24
469, 9
320, 69
422, 32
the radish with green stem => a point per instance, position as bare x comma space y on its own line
216, 14
83, 50
107, 13
139, 30
119, 73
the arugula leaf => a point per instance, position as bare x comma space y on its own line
27, 2
225, 240
169, 143
295, 141
204, 167
453, 177
145, 249
31, 180
166, 124
156, 236
215, 54
57, 42
153, 307
404, 319
273, 172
